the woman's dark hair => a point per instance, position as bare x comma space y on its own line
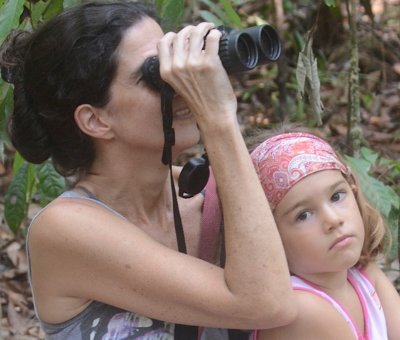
70, 60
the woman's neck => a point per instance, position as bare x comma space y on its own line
140, 193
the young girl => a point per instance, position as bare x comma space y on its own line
331, 237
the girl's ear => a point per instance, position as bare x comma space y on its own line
354, 188
91, 121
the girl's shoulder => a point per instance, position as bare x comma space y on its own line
372, 272
316, 320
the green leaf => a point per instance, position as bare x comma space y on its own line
37, 10
6, 102
17, 163
330, 3
26, 25
54, 7
231, 14
9, 17
210, 17
369, 155
159, 5
393, 223
381, 196
215, 11
171, 11
16, 202
51, 184
299, 40
69, 3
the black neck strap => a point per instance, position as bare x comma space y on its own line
167, 94
182, 332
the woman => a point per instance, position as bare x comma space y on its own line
103, 256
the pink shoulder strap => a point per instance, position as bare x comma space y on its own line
210, 221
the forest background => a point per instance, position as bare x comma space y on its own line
338, 75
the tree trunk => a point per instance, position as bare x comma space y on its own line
354, 132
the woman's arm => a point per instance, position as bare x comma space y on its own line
256, 271
80, 251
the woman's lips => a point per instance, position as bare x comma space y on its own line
184, 113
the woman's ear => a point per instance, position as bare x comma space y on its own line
91, 121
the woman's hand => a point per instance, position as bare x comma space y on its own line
190, 63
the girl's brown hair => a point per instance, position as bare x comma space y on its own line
377, 237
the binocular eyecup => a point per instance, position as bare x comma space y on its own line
239, 51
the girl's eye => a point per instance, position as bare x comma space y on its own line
303, 216
338, 196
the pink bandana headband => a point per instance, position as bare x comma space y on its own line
283, 160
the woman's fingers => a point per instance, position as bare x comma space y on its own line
165, 54
198, 37
185, 50
190, 63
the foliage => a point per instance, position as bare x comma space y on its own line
5, 106
330, 3
171, 11
308, 80
30, 182
383, 197
220, 13
9, 16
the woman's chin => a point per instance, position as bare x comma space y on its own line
186, 137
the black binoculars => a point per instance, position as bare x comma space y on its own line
239, 51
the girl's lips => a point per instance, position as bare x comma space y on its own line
341, 241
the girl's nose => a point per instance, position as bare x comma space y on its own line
332, 218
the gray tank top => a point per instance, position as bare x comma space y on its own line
99, 321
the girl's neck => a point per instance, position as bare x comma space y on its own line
332, 283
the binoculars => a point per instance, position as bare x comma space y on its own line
239, 51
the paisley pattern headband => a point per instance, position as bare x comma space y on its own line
284, 160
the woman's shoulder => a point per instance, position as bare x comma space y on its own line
70, 214
66, 205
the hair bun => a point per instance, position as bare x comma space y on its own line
28, 134
12, 55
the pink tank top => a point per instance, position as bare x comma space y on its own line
374, 319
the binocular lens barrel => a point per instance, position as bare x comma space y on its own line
239, 51
268, 42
